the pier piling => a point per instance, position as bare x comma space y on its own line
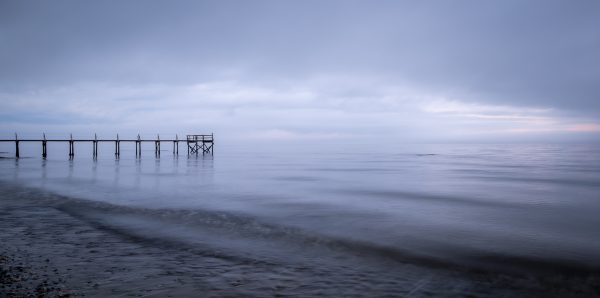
44, 152
16, 146
157, 146
71, 147
117, 147
138, 147
95, 146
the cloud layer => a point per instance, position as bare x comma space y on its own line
303, 69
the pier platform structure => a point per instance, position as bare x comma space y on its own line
198, 143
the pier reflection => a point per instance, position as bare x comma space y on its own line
116, 179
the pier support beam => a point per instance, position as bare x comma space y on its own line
207, 148
176, 146
138, 147
200, 142
44, 152
157, 146
71, 147
95, 146
117, 147
16, 146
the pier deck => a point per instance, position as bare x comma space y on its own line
195, 143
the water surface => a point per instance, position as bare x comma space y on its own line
496, 208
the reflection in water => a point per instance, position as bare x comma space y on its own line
138, 176
94, 171
44, 168
116, 178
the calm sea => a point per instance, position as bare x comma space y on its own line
344, 209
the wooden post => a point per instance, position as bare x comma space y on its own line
44, 152
117, 147
71, 148
16, 146
157, 146
95, 146
138, 147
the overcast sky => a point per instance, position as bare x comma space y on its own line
326, 70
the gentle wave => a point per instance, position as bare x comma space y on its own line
248, 240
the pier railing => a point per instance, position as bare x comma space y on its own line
196, 143
200, 138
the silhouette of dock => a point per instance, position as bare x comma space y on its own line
196, 144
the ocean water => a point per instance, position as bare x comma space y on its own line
358, 214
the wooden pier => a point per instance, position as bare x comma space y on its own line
196, 144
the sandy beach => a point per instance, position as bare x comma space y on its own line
47, 251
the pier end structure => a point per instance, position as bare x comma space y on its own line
197, 143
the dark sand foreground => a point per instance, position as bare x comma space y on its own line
47, 252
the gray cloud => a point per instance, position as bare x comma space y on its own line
533, 54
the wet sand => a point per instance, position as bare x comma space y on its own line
44, 247
47, 252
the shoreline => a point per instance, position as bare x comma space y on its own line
47, 252
42, 244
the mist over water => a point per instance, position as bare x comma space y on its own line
479, 206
